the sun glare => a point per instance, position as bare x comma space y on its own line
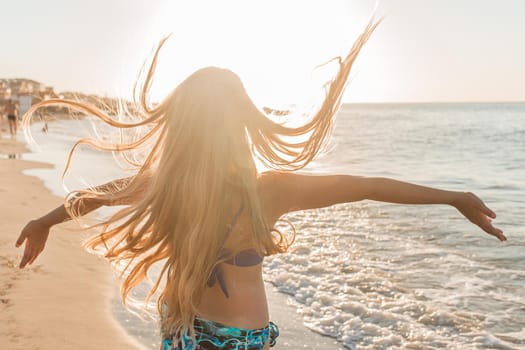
272, 45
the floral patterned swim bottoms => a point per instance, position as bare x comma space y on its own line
216, 336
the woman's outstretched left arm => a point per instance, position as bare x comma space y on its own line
298, 192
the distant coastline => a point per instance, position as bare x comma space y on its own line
29, 92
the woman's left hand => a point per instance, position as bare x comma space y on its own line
478, 213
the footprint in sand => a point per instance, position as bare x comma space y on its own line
4, 301
3, 292
8, 261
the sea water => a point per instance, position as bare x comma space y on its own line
385, 276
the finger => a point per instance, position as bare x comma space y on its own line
489, 228
20, 239
29, 253
485, 224
496, 232
499, 234
35, 255
24, 261
487, 211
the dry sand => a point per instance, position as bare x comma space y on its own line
62, 300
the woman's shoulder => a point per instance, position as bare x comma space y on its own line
275, 189
266, 177
280, 180
269, 182
290, 191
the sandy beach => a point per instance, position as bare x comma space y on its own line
62, 301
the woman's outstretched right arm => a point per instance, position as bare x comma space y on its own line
299, 192
36, 232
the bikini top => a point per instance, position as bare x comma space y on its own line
245, 258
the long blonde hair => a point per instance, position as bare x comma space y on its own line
206, 136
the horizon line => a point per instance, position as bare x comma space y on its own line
107, 95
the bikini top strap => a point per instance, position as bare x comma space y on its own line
216, 274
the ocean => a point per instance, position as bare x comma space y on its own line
384, 276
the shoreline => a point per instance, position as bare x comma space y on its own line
293, 333
62, 301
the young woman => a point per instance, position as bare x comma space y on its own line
198, 205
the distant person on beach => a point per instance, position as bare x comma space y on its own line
198, 205
11, 110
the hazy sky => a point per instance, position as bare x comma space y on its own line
431, 50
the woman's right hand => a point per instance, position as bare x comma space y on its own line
477, 212
35, 235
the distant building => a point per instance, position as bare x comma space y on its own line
28, 92
5, 90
